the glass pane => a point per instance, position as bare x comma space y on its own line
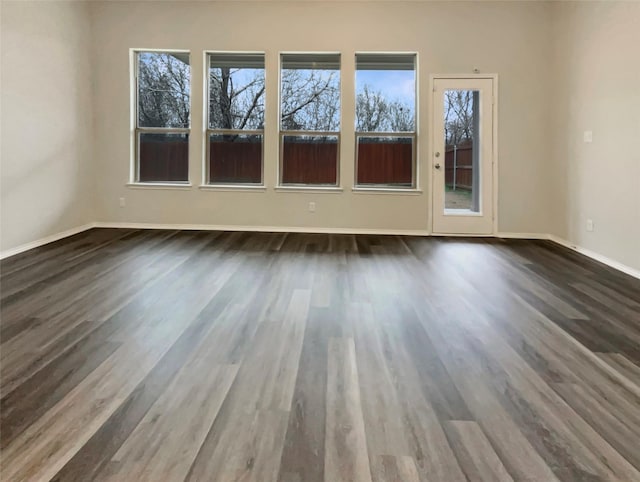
385, 160
310, 93
163, 89
310, 160
163, 158
236, 91
385, 93
462, 153
235, 159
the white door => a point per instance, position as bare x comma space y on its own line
462, 157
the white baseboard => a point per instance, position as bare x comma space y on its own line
522, 235
263, 229
46, 240
596, 256
312, 230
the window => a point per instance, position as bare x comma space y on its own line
309, 119
236, 118
385, 120
163, 82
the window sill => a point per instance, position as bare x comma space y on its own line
160, 185
462, 212
316, 189
232, 187
387, 190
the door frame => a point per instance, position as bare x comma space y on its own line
494, 150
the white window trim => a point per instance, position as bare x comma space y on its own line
289, 187
135, 131
160, 185
207, 131
381, 189
233, 187
315, 188
391, 188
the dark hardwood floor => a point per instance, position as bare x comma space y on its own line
215, 356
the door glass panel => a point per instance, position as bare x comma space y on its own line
462, 151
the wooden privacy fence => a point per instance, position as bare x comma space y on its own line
385, 162
164, 160
458, 164
309, 162
303, 162
235, 161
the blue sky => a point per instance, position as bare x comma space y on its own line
394, 84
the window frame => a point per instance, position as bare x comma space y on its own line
384, 134
208, 131
137, 131
283, 133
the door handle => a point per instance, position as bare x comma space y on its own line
437, 166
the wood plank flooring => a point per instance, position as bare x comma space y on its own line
219, 356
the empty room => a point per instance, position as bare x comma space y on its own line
320, 241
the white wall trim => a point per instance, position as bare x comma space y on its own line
46, 240
303, 229
522, 235
596, 256
264, 229
578, 249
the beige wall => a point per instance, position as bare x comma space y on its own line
564, 68
510, 38
46, 155
597, 88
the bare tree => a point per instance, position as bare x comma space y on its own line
236, 98
310, 100
372, 111
401, 117
377, 113
458, 116
164, 85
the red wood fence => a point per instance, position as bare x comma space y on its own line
302, 162
385, 163
164, 161
235, 161
309, 163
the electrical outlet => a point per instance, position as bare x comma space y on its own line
589, 224
588, 137
312, 207
123, 202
